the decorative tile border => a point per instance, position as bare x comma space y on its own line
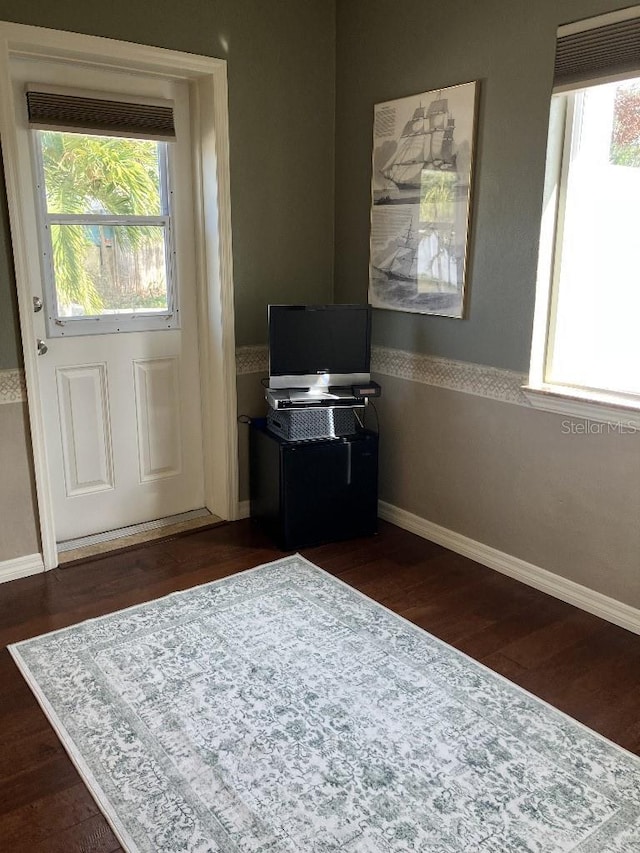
12, 386
478, 379
468, 378
252, 360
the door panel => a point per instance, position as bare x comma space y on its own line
158, 409
140, 396
85, 429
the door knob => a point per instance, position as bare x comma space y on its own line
37, 304
42, 347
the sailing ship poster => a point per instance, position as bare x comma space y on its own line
421, 190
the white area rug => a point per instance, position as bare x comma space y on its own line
280, 710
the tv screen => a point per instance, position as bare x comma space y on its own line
325, 344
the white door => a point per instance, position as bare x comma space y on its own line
121, 406
124, 439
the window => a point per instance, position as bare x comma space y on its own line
587, 337
594, 339
104, 205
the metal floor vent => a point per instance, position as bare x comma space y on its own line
108, 535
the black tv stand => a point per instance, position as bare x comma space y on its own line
309, 492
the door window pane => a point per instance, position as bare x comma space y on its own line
101, 174
106, 232
109, 269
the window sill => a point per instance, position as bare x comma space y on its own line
620, 410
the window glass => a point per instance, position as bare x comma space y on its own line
105, 210
109, 269
594, 339
101, 174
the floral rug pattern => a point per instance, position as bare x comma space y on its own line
280, 711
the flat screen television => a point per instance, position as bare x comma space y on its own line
319, 346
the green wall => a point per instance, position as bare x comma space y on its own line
281, 68
10, 346
388, 50
303, 79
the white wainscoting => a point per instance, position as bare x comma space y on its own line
21, 567
573, 593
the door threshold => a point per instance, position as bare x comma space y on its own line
135, 534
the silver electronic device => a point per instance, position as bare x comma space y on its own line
312, 398
310, 424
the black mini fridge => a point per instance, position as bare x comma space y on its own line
306, 493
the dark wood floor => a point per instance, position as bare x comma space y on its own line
582, 665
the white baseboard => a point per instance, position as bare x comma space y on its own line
21, 567
573, 593
244, 509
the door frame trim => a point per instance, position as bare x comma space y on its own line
207, 79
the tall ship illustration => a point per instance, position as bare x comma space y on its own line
426, 142
401, 263
427, 259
